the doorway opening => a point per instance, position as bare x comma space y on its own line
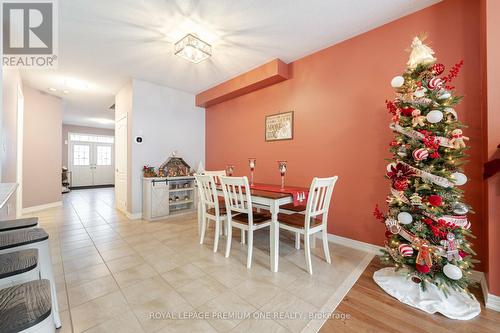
91, 160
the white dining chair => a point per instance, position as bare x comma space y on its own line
315, 219
292, 209
216, 174
240, 213
211, 209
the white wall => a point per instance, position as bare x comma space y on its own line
168, 120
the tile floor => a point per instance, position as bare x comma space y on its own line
119, 275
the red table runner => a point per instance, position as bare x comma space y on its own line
299, 194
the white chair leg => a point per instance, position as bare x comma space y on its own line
242, 236
297, 241
324, 235
225, 227
250, 248
217, 235
203, 228
228, 238
307, 250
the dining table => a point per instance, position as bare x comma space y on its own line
272, 197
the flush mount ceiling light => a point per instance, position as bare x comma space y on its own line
193, 49
76, 84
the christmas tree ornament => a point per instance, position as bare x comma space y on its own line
437, 69
424, 269
394, 242
400, 184
435, 83
392, 225
420, 54
420, 154
457, 139
460, 208
420, 92
405, 218
416, 199
397, 82
458, 178
402, 151
405, 250
417, 118
434, 116
451, 246
453, 272
451, 113
435, 200
390, 166
444, 95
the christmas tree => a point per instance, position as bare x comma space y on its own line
427, 228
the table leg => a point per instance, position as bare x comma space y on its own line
199, 217
274, 238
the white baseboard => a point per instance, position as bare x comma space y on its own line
134, 216
32, 209
358, 245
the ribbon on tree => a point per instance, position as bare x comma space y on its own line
457, 220
445, 142
441, 181
400, 195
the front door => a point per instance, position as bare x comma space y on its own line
91, 160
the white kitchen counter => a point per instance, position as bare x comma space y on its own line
6, 190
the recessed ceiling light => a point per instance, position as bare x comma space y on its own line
52, 89
193, 49
66, 91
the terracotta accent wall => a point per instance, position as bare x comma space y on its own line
493, 134
41, 148
341, 124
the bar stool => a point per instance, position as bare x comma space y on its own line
8, 225
18, 267
26, 308
33, 238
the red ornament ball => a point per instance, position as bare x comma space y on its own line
437, 69
422, 268
400, 184
407, 111
435, 200
461, 253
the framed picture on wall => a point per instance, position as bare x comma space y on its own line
279, 126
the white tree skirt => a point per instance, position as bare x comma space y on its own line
456, 306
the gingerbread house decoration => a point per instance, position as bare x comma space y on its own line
175, 167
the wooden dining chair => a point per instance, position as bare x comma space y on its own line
240, 213
315, 219
211, 209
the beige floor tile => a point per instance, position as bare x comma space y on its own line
191, 326
62, 299
91, 290
134, 275
201, 290
258, 322
285, 302
75, 278
257, 292
123, 263
123, 323
65, 321
146, 290
230, 304
98, 311
82, 262
182, 275
116, 253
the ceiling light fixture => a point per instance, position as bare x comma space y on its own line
52, 89
193, 49
76, 84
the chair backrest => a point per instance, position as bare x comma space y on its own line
237, 195
216, 174
208, 192
320, 195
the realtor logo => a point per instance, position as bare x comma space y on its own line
29, 33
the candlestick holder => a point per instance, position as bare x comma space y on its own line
230, 170
251, 164
282, 169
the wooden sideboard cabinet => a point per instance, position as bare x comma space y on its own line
166, 196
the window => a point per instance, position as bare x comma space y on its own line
91, 138
103, 155
81, 155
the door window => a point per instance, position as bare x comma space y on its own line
103, 155
81, 155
